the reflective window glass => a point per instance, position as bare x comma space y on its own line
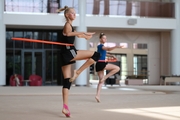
47, 36
33, 54
18, 34
55, 39
9, 65
9, 41
17, 61
38, 36
28, 35
140, 64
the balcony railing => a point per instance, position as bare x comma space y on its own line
96, 7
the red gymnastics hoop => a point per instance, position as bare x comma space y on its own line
108, 60
40, 41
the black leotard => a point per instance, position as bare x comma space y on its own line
68, 52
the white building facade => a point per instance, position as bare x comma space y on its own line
161, 34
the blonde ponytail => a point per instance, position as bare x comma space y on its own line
62, 9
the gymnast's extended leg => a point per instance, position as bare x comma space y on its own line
81, 55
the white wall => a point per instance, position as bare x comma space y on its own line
119, 31
154, 58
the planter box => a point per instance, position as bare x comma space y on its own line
172, 79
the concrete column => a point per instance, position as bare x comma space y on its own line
2, 46
81, 43
130, 60
175, 43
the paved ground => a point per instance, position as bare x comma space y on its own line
117, 103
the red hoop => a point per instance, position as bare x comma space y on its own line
40, 41
108, 60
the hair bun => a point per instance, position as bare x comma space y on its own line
101, 33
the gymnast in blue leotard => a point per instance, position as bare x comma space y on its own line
102, 65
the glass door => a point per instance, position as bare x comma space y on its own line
33, 63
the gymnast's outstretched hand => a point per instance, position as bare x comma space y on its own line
87, 35
122, 46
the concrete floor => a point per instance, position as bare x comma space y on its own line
117, 103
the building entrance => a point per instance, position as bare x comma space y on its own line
33, 62
26, 58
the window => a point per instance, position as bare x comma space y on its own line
140, 65
140, 46
122, 63
125, 45
14, 56
18, 34
110, 44
124, 66
9, 42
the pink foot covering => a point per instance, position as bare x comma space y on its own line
65, 110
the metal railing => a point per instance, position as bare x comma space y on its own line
96, 7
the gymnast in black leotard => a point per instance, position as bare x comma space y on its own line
70, 54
